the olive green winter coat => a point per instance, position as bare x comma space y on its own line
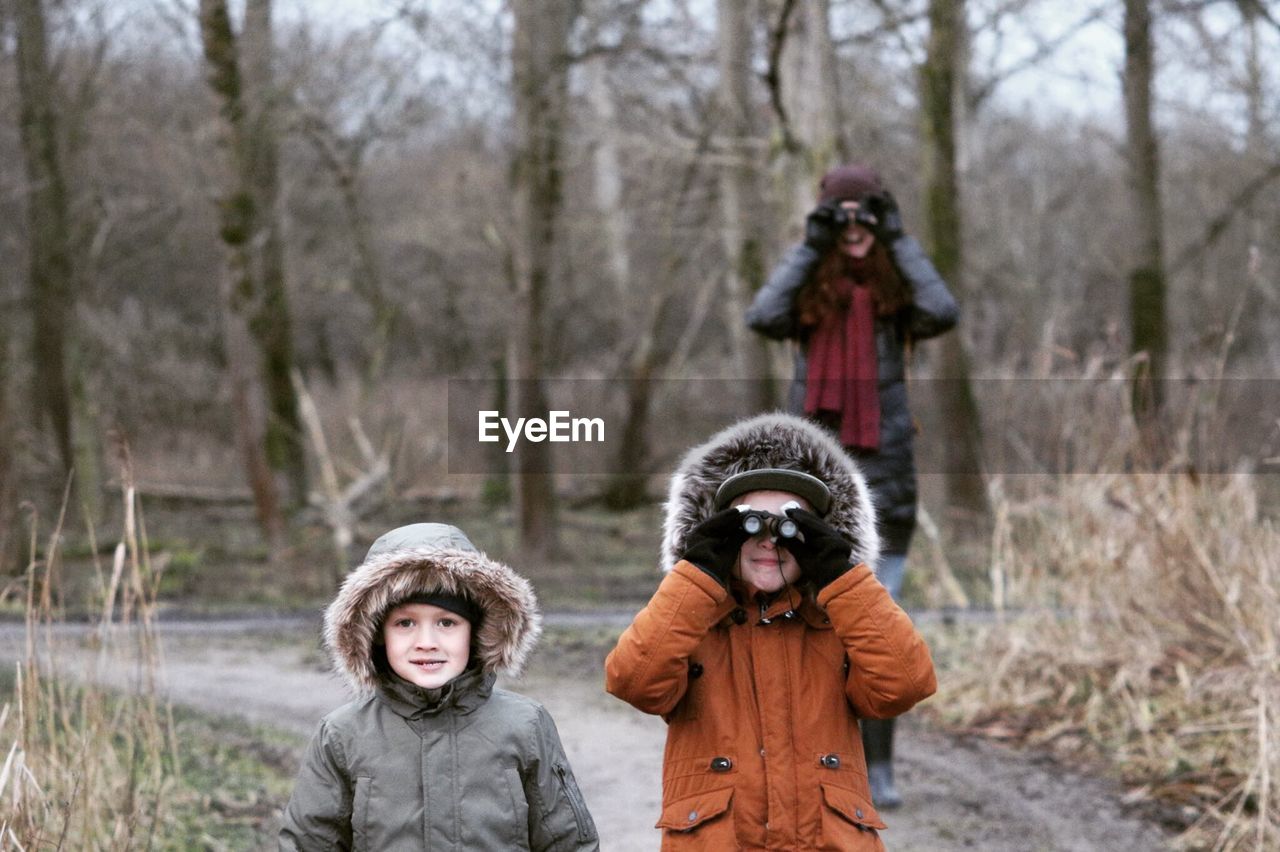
466, 766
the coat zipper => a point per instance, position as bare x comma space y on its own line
575, 802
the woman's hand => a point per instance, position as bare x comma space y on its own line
823, 227
885, 220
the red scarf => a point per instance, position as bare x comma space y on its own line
843, 373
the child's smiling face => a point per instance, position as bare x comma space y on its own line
426, 644
762, 564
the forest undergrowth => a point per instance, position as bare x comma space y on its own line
1134, 634
1138, 633
98, 767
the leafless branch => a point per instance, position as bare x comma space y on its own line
1043, 51
1249, 9
1218, 224
772, 77
895, 23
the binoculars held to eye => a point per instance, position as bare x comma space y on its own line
841, 217
756, 521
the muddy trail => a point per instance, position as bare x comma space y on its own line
961, 793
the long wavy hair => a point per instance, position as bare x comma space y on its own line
821, 296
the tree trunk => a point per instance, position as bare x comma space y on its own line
940, 92
540, 86
497, 485
1147, 317
807, 100
85, 435
248, 409
8, 538
48, 218
368, 278
239, 288
270, 321
1259, 151
615, 219
626, 486
739, 190
628, 483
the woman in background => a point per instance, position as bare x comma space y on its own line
855, 295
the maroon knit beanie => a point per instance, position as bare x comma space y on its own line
848, 183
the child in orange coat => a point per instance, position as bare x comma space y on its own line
767, 641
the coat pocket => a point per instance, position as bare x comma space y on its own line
848, 820
360, 838
519, 809
701, 820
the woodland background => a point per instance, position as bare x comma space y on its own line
244, 248
214, 218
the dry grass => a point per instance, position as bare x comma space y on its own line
87, 767
1145, 638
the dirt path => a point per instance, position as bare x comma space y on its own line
961, 795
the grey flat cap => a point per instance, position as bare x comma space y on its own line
811, 488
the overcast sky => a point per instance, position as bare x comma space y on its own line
1080, 78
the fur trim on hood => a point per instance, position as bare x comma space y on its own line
775, 440
429, 557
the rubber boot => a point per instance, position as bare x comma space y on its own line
877, 743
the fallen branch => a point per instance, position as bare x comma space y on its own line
190, 493
337, 504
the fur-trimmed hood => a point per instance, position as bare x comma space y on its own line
421, 558
769, 441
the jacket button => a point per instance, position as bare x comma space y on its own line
857, 812
693, 816
789, 614
695, 670
739, 616
831, 761
721, 764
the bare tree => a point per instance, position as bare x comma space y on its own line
7, 537
50, 267
740, 222
241, 288
350, 98
540, 70
626, 486
240, 74
1148, 322
1259, 150
271, 324
941, 92
804, 93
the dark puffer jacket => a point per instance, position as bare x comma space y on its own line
466, 766
890, 470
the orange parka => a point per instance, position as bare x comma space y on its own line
762, 702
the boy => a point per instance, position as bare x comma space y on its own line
766, 642
430, 755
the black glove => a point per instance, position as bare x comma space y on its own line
823, 227
887, 221
822, 551
713, 545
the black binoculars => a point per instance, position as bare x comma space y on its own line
841, 217
755, 521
